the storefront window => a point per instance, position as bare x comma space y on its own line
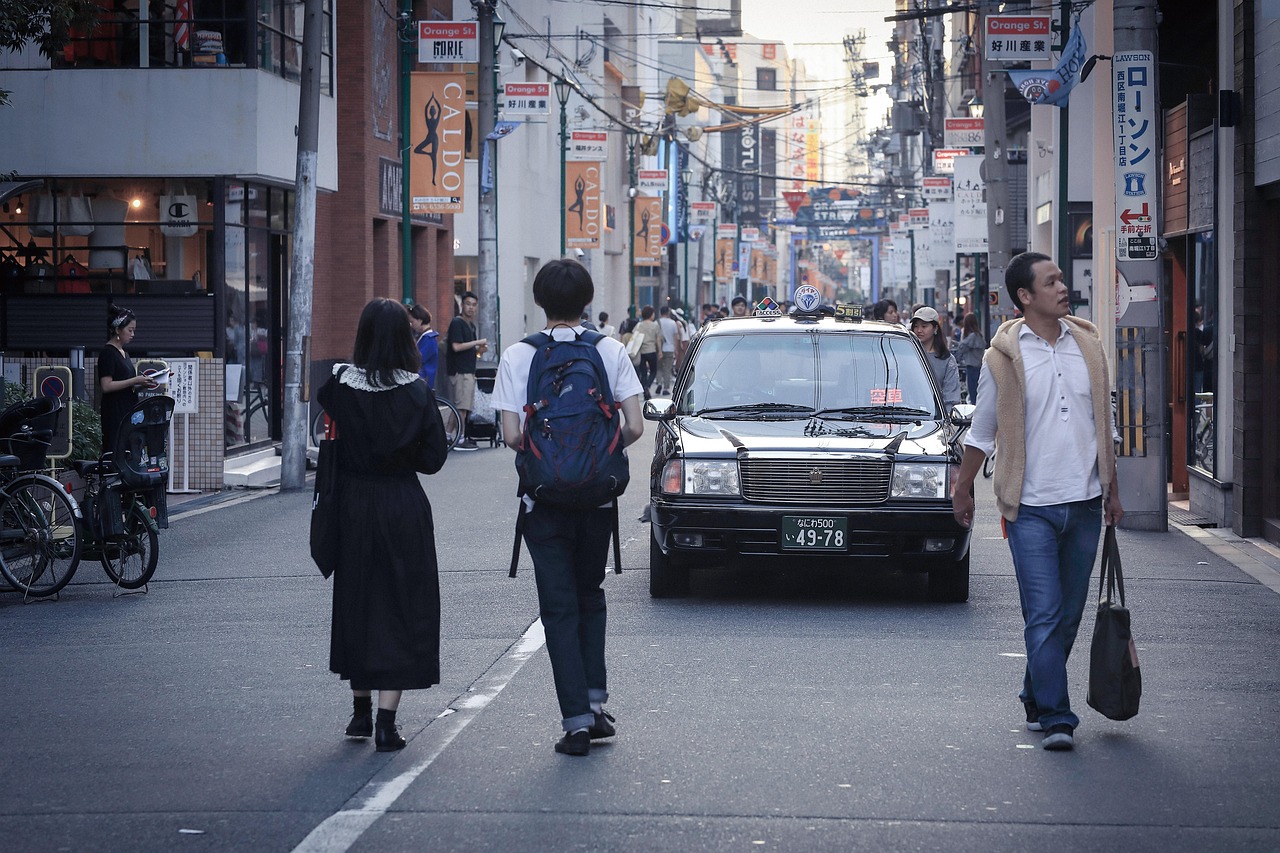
1203, 352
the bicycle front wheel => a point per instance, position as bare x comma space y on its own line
39, 536
130, 560
452, 422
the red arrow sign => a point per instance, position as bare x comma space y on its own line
1129, 216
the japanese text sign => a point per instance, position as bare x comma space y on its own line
526, 98
1018, 37
1137, 160
589, 145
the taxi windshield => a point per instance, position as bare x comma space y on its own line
803, 372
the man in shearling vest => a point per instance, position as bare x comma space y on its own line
1044, 394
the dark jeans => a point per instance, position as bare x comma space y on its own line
971, 379
1053, 553
569, 549
648, 370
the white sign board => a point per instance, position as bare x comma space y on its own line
971, 206
526, 99
1137, 155
448, 41
184, 385
936, 187
588, 145
964, 132
750, 235
650, 181
727, 231
702, 212
943, 158
942, 231
1018, 37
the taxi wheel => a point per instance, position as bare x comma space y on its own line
950, 583
668, 575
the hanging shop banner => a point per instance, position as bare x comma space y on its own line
964, 132
971, 206
1052, 87
178, 215
648, 235
582, 215
938, 187
588, 145
438, 133
532, 99
447, 41
651, 180
942, 232
1137, 161
724, 260
1019, 37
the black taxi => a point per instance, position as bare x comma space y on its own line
808, 436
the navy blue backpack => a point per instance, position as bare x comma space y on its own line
571, 450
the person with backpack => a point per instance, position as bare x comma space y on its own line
570, 402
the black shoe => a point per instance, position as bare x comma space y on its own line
578, 743
1059, 737
387, 738
602, 727
1033, 717
361, 725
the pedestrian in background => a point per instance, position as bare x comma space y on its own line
1045, 396
570, 546
465, 346
924, 325
606, 329
969, 354
428, 343
886, 310
739, 306
386, 593
670, 342
650, 346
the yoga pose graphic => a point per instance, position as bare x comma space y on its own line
431, 144
579, 190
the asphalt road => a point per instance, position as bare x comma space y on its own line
786, 711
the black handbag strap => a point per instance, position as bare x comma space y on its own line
1111, 578
617, 541
515, 547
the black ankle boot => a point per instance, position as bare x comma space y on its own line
361, 724
386, 736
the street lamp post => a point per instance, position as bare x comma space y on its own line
563, 87
631, 137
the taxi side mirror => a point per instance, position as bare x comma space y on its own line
961, 414
659, 409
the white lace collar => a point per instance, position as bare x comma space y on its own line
355, 377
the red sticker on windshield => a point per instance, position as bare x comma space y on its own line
881, 396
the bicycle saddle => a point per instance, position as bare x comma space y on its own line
7, 461
88, 467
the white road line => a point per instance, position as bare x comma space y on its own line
341, 830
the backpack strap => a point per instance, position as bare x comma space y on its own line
617, 541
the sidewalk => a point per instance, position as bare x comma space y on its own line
1255, 556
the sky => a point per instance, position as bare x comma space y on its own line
813, 29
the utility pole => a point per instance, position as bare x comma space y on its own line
293, 462
1142, 415
487, 230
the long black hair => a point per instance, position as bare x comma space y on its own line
384, 342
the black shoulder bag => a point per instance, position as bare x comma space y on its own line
326, 526
1115, 681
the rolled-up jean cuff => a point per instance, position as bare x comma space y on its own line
582, 721
597, 694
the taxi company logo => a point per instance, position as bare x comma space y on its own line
807, 297
815, 477
1135, 183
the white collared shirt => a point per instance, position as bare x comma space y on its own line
1061, 438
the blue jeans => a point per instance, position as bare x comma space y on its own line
971, 375
569, 549
1053, 553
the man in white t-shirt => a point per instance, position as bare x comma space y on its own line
570, 546
671, 336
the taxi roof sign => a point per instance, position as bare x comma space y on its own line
847, 312
767, 308
808, 299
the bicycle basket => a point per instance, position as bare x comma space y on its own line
26, 430
141, 454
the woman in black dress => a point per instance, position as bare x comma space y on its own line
117, 377
386, 593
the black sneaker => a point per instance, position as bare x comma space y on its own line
466, 444
577, 743
361, 725
1033, 718
1059, 737
602, 727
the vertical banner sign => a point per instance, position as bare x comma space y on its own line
768, 162
438, 131
942, 231
812, 152
1136, 157
971, 205
582, 205
648, 236
749, 183
796, 152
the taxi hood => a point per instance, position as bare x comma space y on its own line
726, 436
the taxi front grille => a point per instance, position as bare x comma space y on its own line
844, 482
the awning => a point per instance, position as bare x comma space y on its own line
8, 189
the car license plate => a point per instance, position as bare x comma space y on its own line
814, 533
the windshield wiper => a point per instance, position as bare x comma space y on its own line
757, 407
876, 412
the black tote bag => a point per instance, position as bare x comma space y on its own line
325, 523
1115, 681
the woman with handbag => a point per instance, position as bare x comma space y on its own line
386, 592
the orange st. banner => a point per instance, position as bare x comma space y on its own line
438, 134
582, 217
725, 257
648, 236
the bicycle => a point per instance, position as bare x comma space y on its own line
453, 427
40, 541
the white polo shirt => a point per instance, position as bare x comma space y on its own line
1061, 442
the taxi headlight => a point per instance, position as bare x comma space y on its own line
700, 477
919, 480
